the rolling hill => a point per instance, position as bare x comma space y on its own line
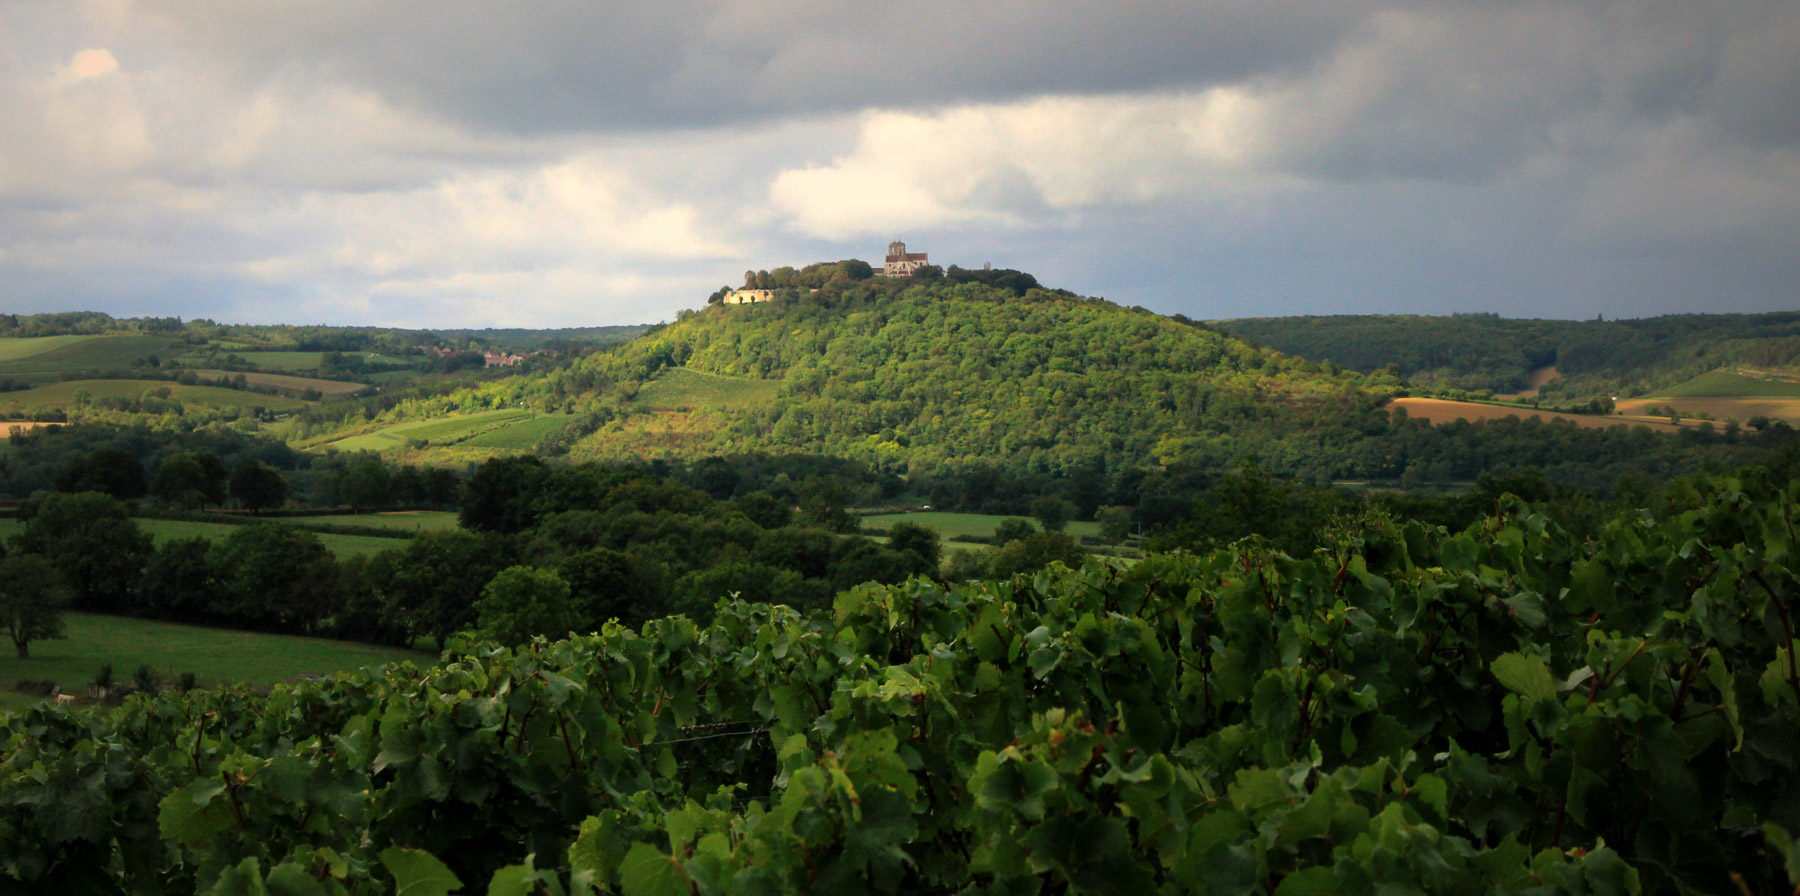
908, 376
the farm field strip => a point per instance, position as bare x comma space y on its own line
90, 353
17, 349
63, 395
1729, 384
1717, 408
522, 435
213, 655
1439, 410
400, 520
287, 381
441, 429
283, 360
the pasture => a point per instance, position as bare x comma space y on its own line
680, 387
399, 521
979, 525
64, 395
1439, 410
215, 656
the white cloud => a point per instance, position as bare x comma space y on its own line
91, 63
1013, 164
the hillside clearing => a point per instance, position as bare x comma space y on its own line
680, 388
433, 430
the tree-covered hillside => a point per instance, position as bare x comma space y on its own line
1485, 351
922, 375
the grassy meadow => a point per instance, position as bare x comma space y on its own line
399, 520
951, 525
163, 531
214, 656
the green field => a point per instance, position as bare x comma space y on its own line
14, 349
288, 382
1727, 384
312, 360
680, 387
63, 395
950, 525
521, 436
436, 430
30, 357
162, 531
400, 521
215, 656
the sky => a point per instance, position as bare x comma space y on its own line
463, 163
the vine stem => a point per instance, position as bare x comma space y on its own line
1787, 631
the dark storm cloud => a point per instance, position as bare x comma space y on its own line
569, 65
578, 162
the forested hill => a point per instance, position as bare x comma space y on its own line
1485, 351
910, 375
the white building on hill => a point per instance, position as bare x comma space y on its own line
901, 263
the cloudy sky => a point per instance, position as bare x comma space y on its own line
578, 162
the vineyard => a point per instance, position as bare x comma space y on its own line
1504, 710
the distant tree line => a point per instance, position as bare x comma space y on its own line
614, 543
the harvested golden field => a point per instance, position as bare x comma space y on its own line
8, 427
1718, 409
1438, 410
